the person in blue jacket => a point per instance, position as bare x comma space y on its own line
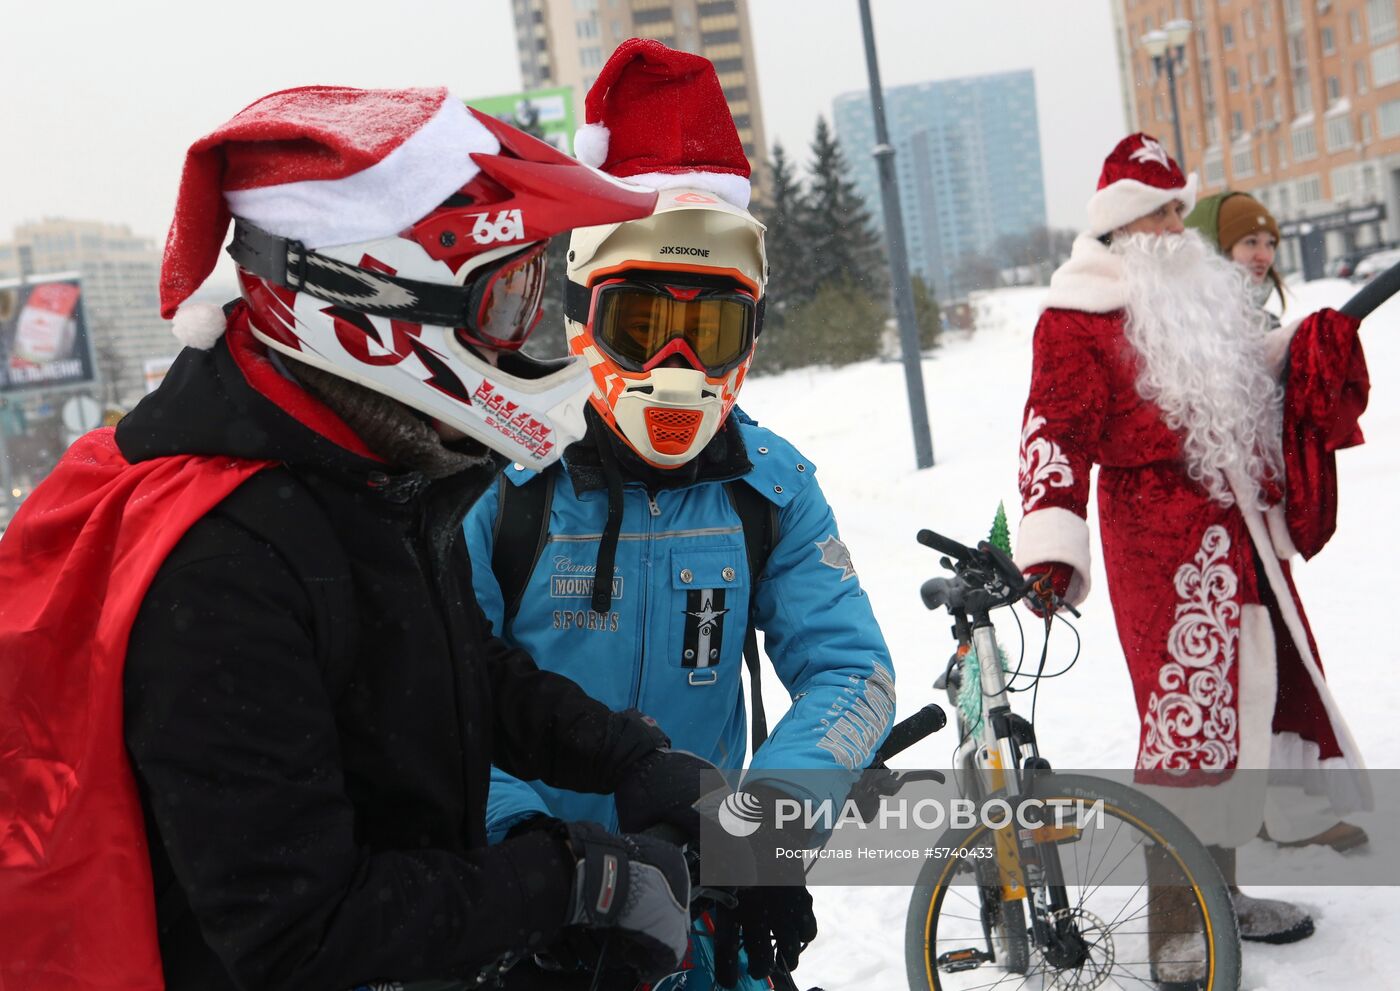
640, 587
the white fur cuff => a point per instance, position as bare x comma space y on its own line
1054, 534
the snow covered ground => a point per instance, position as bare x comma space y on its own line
853, 423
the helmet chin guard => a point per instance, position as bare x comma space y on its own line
669, 414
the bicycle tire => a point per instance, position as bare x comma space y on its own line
1209, 894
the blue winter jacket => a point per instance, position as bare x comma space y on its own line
651, 651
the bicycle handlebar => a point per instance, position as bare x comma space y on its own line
1374, 293
945, 545
907, 732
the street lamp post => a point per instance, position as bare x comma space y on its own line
1168, 50
883, 153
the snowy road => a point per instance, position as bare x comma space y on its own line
853, 423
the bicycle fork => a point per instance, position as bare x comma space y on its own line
1027, 857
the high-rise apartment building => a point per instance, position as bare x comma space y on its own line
967, 161
120, 274
566, 42
1296, 102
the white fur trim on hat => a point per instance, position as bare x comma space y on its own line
733, 189
380, 201
591, 144
1126, 200
198, 325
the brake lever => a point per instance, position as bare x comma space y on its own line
1062, 604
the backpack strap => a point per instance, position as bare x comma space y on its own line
522, 521
759, 518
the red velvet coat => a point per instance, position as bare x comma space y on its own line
1224, 667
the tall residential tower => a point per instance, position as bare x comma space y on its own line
967, 160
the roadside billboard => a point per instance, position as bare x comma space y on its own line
43, 334
545, 113
154, 370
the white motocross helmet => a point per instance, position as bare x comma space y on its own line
666, 310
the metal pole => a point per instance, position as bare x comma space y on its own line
1170, 59
899, 261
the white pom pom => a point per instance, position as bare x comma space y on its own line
198, 325
591, 144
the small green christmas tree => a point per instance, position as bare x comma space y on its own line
1000, 537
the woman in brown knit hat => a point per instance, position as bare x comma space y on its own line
1244, 229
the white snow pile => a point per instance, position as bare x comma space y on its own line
853, 423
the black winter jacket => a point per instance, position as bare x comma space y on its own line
313, 702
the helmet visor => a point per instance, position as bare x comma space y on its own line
506, 300
637, 323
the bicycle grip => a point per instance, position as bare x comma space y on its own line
944, 545
1373, 294
907, 732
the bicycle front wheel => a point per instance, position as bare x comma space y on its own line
1170, 924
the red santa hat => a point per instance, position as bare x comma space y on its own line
1138, 176
657, 117
324, 165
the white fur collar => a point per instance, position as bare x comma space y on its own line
1092, 279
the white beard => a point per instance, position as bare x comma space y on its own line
1193, 322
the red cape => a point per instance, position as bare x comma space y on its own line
76, 906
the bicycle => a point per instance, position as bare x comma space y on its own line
1032, 917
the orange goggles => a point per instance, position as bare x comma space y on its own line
639, 325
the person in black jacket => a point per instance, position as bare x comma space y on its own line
311, 697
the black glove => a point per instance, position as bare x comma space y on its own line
762, 918
662, 787
636, 887
777, 914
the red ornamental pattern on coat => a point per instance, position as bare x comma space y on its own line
1193, 722
1043, 464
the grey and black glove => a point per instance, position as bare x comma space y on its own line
636, 887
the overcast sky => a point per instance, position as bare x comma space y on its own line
101, 100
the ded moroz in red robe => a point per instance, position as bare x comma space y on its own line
1224, 667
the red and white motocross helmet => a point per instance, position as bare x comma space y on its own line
396, 239
666, 311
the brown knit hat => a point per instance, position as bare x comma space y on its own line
1240, 216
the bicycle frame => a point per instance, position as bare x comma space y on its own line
1005, 745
